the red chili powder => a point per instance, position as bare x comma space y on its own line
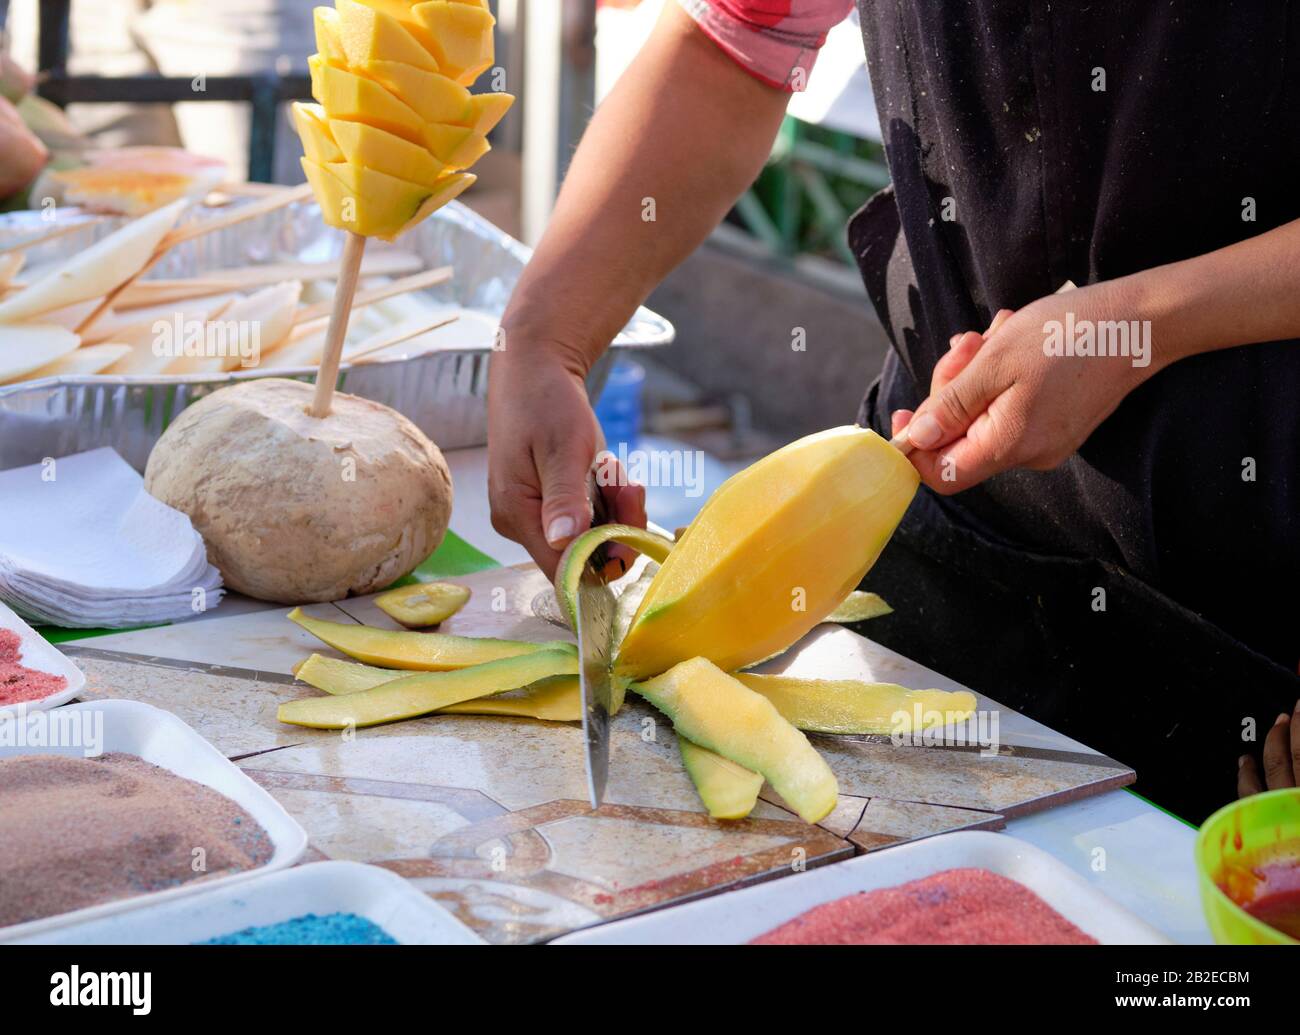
956, 907
19, 683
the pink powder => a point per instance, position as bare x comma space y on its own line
955, 907
19, 683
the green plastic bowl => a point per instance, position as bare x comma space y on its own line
1261, 820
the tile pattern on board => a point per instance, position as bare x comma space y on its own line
886, 822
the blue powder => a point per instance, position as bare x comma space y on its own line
333, 929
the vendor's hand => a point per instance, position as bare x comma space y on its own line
22, 155
1002, 403
1281, 758
542, 438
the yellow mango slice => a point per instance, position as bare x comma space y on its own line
486, 110
401, 12
423, 604
371, 203
375, 149
369, 34
771, 553
461, 36
313, 130
434, 97
329, 40
450, 144
429, 652
425, 692
557, 699
729, 791
721, 714
450, 187
854, 706
859, 606
345, 95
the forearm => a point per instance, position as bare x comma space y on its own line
682, 135
1244, 293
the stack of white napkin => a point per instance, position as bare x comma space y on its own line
83, 545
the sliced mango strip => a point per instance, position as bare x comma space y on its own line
557, 699
368, 34
854, 706
318, 142
461, 36
425, 692
382, 151
428, 652
719, 713
357, 99
858, 606
771, 553
729, 791
423, 604
434, 97
487, 109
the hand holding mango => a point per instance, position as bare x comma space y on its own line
395, 124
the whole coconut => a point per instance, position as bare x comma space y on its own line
297, 509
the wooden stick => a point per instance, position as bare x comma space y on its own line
52, 235
388, 338
198, 229
155, 292
328, 375
415, 282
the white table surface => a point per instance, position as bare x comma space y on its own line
1132, 851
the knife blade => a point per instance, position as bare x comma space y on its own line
595, 606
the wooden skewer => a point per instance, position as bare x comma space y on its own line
328, 374
53, 235
415, 282
387, 339
198, 229
156, 292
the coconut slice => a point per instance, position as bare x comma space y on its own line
97, 270
90, 359
273, 310
154, 345
10, 265
31, 346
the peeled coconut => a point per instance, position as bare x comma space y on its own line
297, 509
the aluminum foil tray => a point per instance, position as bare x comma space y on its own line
444, 392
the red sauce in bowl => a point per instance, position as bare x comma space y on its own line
1267, 886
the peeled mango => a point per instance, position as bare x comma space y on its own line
394, 124
299, 509
774, 550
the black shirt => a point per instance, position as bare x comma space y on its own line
1087, 141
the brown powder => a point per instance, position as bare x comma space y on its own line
78, 832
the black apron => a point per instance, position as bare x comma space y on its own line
989, 111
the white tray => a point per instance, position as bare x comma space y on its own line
379, 895
38, 654
161, 738
734, 918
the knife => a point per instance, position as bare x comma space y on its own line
595, 606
